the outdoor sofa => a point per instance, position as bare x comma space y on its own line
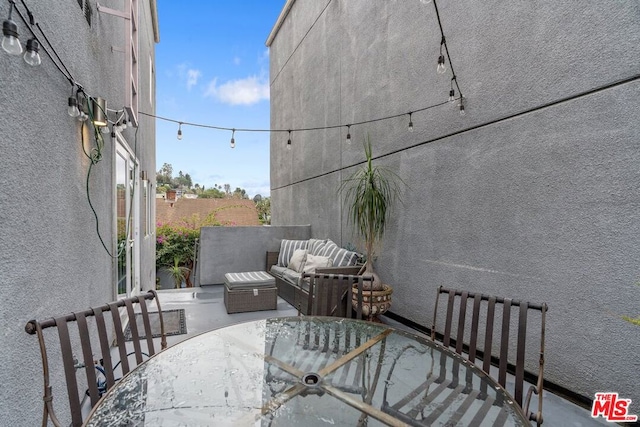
297, 257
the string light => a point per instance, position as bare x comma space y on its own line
410, 123
179, 131
233, 141
73, 110
441, 63
441, 67
442, 60
10, 42
452, 92
336, 126
289, 140
31, 55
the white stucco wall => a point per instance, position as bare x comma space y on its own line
534, 194
51, 259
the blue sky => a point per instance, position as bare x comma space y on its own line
212, 68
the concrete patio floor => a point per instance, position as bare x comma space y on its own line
205, 310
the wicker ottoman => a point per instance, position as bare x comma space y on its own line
250, 291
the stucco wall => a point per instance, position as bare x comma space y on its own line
533, 194
238, 249
51, 258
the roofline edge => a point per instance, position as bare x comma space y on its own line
279, 22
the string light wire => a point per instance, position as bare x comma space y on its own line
67, 74
446, 48
362, 122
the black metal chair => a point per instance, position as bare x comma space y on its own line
482, 313
332, 294
99, 374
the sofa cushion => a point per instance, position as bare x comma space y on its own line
287, 247
341, 257
297, 260
291, 276
277, 271
249, 280
316, 261
316, 246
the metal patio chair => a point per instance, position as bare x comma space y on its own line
332, 294
482, 313
99, 374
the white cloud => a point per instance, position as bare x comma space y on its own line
248, 91
192, 78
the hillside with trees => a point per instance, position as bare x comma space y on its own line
183, 182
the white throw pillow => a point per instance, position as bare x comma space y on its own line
316, 261
297, 260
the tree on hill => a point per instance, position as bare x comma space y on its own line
264, 210
165, 181
212, 193
240, 193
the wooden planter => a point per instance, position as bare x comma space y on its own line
374, 303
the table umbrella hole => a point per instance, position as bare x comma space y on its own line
311, 379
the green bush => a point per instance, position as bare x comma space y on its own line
175, 243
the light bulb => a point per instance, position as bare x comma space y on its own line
10, 42
233, 140
82, 116
289, 141
348, 134
410, 123
104, 129
441, 67
73, 107
31, 55
452, 95
462, 113
180, 131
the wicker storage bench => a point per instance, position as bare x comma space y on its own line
250, 291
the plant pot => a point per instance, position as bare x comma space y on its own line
166, 281
374, 303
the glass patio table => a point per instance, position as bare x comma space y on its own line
306, 371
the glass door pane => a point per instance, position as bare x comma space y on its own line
121, 219
128, 221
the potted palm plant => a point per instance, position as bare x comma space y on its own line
370, 193
177, 272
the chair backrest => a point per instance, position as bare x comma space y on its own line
332, 294
99, 373
478, 311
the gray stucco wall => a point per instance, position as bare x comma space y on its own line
238, 249
534, 194
52, 261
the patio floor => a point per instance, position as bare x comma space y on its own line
204, 311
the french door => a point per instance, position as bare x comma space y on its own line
127, 219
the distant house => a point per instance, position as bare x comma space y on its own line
225, 211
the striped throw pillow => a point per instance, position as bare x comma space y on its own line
341, 257
287, 247
316, 246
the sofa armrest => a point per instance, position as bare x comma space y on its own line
272, 259
353, 270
